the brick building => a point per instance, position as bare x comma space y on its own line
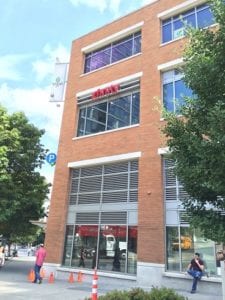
114, 194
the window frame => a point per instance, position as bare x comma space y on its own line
187, 12
173, 79
137, 35
108, 100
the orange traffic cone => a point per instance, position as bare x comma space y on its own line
94, 295
31, 276
79, 277
42, 273
51, 278
71, 278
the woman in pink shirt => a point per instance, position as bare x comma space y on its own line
40, 257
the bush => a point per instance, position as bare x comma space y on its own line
164, 294
115, 295
140, 294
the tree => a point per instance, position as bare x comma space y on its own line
22, 188
197, 140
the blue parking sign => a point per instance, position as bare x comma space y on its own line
51, 158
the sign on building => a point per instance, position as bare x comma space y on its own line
59, 83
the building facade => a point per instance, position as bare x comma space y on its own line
115, 199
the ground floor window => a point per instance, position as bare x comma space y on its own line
102, 217
105, 247
182, 242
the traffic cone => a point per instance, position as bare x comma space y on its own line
51, 278
31, 276
42, 273
71, 278
94, 295
79, 277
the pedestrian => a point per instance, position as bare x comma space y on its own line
82, 255
2, 255
116, 260
195, 269
40, 257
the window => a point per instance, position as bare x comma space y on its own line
174, 90
108, 115
107, 233
198, 17
181, 240
113, 52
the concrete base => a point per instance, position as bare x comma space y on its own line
148, 275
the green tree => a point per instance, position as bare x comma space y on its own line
197, 140
22, 188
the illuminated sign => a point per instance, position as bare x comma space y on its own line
112, 89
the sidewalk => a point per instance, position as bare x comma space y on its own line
14, 285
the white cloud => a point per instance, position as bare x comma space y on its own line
45, 67
145, 2
43, 114
36, 106
34, 102
9, 66
101, 5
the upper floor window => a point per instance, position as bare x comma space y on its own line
120, 112
198, 17
174, 90
113, 52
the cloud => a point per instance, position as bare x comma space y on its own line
36, 106
100, 5
44, 67
40, 112
145, 2
9, 66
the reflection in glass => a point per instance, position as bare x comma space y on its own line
108, 115
172, 249
68, 245
113, 253
180, 248
206, 248
112, 248
174, 27
132, 250
116, 51
174, 91
186, 246
85, 236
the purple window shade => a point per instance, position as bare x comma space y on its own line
122, 50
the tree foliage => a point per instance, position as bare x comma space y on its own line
197, 140
22, 188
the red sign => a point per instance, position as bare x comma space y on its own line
112, 89
117, 231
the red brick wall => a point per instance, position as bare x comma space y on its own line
146, 138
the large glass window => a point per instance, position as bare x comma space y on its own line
106, 247
103, 232
116, 51
174, 90
198, 17
108, 115
182, 241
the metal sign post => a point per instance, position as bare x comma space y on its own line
223, 278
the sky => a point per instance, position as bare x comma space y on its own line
33, 34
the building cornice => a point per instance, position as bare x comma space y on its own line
103, 160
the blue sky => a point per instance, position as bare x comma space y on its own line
35, 32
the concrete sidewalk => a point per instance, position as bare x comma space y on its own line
14, 285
